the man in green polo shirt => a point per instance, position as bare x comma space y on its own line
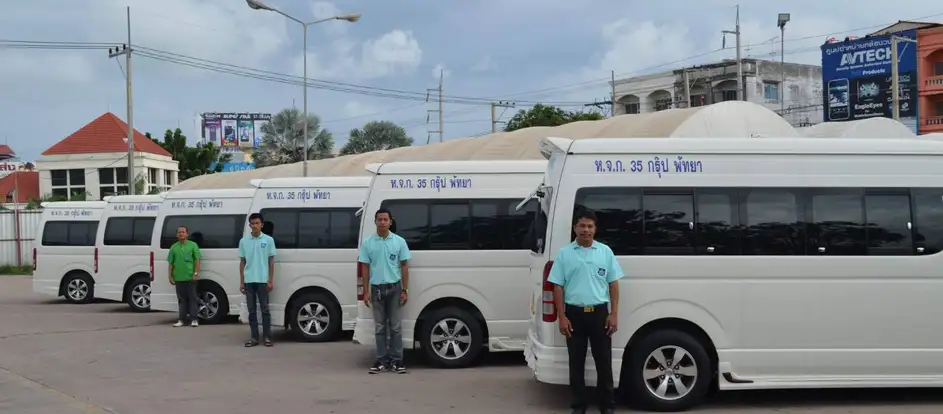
184, 271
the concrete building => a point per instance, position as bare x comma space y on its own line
930, 79
717, 82
94, 160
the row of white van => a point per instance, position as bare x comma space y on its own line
752, 263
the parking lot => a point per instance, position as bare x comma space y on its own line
102, 358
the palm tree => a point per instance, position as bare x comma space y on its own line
283, 140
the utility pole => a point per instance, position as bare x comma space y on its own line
781, 22
740, 94
440, 111
895, 73
126, 51
687, 89
612, 95
494, 115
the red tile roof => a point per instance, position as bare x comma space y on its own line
106, 133
6, 152
26, 184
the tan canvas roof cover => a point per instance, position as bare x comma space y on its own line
863, 128
726, 119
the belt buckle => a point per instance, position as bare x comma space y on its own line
587, 309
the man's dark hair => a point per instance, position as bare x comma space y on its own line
183, 227
381, 211
254, 216
584, 213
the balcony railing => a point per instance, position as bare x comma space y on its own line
932, 121
935, 82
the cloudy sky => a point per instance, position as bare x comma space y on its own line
558, 51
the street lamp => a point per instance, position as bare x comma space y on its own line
349, 17
781, 22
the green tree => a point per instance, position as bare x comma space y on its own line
191, 161
283, 139
376, 136
541, 115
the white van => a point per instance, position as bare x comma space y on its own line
314, 223
216, 220
753, 263
122, 246
64, 258
468, 283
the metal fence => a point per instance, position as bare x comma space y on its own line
18, 229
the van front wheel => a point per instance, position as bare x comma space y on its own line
315, 317
667, 371
139, 294
451, 337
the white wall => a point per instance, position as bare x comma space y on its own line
91, 163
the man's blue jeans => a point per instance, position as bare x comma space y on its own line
384, 300
258, 292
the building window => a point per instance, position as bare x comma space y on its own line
939, 109
730, 95
771, 91
938, 69
795, 95
169, 178
662, 104
632, 108
68, 183
698, 100
113, 181
152, 180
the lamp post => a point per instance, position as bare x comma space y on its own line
350, 17
781, 22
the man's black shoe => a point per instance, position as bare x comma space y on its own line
399, 368
377, 368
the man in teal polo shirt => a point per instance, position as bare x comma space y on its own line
384, 257
586, 294
257, 277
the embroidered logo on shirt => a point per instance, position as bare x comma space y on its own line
601, 271
264, 244
393, 257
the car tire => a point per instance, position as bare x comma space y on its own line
217, 309
315, 317
642, 358
451, 337
138, 294
78, 288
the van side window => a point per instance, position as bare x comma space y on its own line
207, 231
128, 231
69, 233
313, 228
460, 224
767, 221
928, 219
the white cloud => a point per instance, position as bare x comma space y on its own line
354, 109
484, 65
441, 70
63, 68
634, 47
394, 53
220, 30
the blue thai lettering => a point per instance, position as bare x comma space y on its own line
636, 165
682, 165
392, 183
421, 183
599, 166
456, 182
438, 183
658, 166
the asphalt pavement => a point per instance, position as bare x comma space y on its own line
102, 358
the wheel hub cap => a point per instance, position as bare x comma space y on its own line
209, 305
313, 318
77, 289
669, 373
450, 339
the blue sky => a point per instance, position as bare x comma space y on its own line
508, 49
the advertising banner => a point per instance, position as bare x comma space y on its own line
235, 166
9, 166
234, 130
856, 78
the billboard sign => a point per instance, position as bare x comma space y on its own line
234, 129
235, 166
856, 78
10, 166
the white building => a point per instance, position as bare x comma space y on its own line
717, 82
94, 159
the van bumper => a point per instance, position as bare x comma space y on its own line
46, 286
550, 364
